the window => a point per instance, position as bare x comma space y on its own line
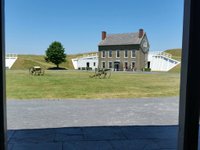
126, 53
133, 66
103, 65
133, 53
103, 54
94, 64
125, 65
117, 53
110, 53
110, 64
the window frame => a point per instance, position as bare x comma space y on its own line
103, 62
126, 62
109, 64
132, 53
125, 53
103, 54
117, 53
110, 53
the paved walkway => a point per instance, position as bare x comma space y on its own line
30, 114
117, 124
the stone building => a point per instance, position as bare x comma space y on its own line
126, 51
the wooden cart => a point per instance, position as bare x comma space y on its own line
102, 73
36, 70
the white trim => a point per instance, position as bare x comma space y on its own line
132, 53
133, 61
125, 53
116, 53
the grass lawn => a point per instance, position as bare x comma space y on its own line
77, 84
176, 69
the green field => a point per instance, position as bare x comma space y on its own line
176, 54
77, 84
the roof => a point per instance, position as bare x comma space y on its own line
121, 39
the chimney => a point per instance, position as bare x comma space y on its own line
141, 32
103, 35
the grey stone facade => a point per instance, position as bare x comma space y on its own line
123, 52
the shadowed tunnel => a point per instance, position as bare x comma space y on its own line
146, 138
95, 138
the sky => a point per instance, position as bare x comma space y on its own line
32, 25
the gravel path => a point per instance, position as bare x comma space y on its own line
26, 114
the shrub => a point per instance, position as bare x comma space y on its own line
88, 68
146, 69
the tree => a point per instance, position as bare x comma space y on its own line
55, 53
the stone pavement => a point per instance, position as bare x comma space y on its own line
117, 124
95, 138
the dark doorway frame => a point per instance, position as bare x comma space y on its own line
116, 66
148, 64
87, 64
190, 78
190, 82
3, 120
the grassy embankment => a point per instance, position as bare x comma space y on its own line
24, 62
77, 84
176, 54
27, 61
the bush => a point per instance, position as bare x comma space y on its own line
88, 68
85, 68
146, 69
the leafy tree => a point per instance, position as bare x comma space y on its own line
55, 53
